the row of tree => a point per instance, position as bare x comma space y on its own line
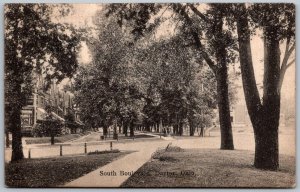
135, 78
142, 83
221, 33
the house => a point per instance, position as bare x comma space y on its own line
61, 102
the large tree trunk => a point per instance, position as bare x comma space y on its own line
120, 126
264, 117
17, 149
192, 126
52, 139
115, 133
131, 127
224, 110
147, 125
175, 128
7, 138
105, 129
222, 88
266, 145
180, 128
7, 124
266, 135
125, 127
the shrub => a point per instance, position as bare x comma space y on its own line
38, 130
103, 152
47, 128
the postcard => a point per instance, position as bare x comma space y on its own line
150, 95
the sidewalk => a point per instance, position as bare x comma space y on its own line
116, 172
168, 138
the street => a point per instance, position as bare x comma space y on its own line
242, 141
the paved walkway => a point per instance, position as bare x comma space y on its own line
113, 173
72, 147
143, 151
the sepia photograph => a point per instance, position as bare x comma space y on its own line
149, 95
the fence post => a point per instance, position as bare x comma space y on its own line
111, 146
60, 150
85, 148
29, 154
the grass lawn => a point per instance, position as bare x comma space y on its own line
59, 139
52, 172
211, 168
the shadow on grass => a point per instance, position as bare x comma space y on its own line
53, 172
211, 168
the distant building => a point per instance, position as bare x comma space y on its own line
60, 101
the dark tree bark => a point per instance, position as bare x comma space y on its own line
52, 139
115, 134
202, 131
7, 124
125, 128
105, 129
175, 128
131, 127
192, 126
7, 138
266, 134
120, 126
180, 128
147, 125
17, 149
222, 88
264, 116
120, 129
224, 110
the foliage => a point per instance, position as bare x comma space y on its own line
34, 44
104, 89
70, 121
47, 127
195, 29
172, 82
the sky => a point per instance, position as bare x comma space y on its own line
83, 13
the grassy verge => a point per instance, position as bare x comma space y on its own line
53, 172
211, 168
60, 139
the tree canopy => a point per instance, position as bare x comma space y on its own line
34, 45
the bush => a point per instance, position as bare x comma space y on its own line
174, 149
104, 152
167, 158
161, 153
38, 130
47, 127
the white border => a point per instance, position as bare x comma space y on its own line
2, 2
